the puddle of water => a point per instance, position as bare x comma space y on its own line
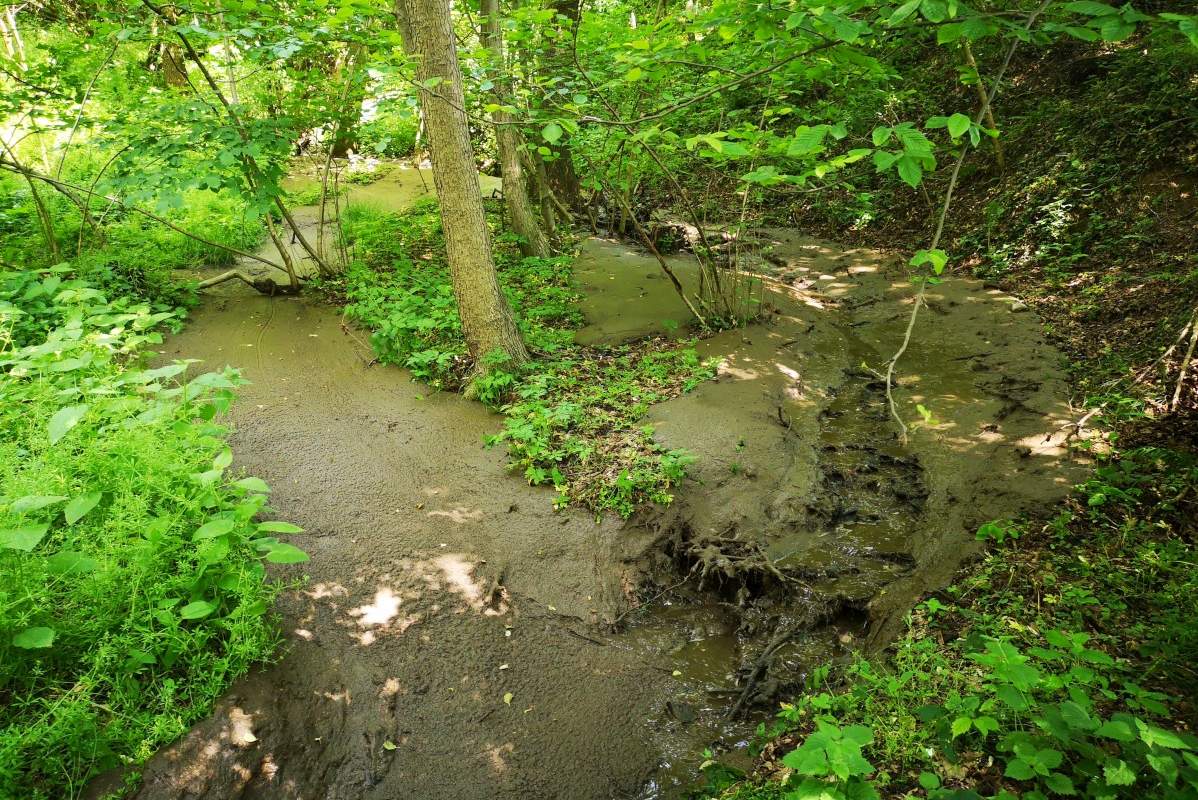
626, 295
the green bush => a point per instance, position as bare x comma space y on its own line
131, 576
391, 134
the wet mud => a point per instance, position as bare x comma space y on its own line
455, 637
812, 529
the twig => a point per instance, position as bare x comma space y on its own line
948, 199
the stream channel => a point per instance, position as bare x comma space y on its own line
807, 532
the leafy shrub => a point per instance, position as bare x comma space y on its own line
131, 573
1044, 678
389, 134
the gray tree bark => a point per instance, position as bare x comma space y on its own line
509, 141
487, 320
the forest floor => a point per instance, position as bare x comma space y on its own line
453, 636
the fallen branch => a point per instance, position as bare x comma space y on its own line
266, 286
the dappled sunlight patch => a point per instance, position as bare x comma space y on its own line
497, 757
459, 514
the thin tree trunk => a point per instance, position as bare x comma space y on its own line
39, 203
989, 115
560, 173
486, 318
507, 136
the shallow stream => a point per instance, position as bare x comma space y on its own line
451, 638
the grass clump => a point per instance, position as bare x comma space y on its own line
131, 576
571, 417
1061, 665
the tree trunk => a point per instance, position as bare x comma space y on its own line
507, 136
560, 173
486, 318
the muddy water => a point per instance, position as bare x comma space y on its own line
448, 639
801, 472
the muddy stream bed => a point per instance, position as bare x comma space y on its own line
451, 636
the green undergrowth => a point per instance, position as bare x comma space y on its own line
1061, 665
135, 256
132, 585
571, 417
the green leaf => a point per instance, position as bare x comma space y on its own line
66, 418
1153, 736
23, 538
552, 132
903, 12
33, 502
1116, 729
279, 527
880, 136
214, 528
929, 780
910, 171
69, 562
958, 124
961, 726
1060, 784
223, 459
34, 638
1090, 8
1115, 29
78, 508
197, 609
283, 553
252, 484
1118, 773
1019, 769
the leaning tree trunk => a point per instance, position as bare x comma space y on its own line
486, 319
507, 137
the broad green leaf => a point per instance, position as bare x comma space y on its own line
1060, 784
283, 553
1118, 773
961, 726
79, 507
223, 459
903, 12
910, 171
279, 527
33, 502
1090, 8
197, 609
23, 538
252, 484
213, 528
1116, 729
552, 132
958, 124
38, 638
65, 419
69, 562
1153, 736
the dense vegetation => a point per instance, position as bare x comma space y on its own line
1050, 149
